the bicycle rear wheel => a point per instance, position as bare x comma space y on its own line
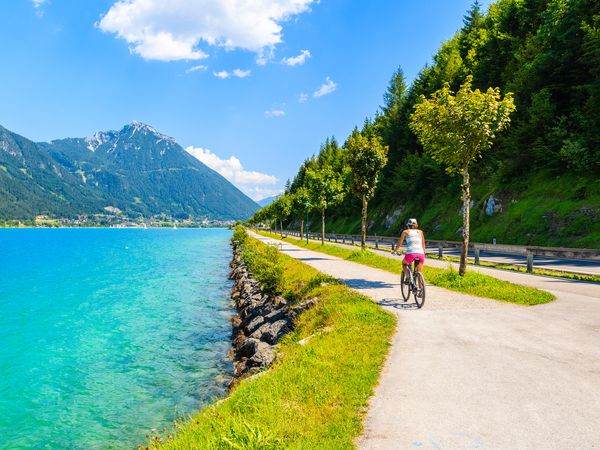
404, 287
419, 292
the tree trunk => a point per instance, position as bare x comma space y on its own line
323, 226
363, 237
301, 226
466, 186
281, 227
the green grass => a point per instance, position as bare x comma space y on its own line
472, 283
315, 395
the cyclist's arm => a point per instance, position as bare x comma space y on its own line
423, 240
400, 241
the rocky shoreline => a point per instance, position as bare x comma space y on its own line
261, 322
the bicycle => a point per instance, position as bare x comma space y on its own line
415, 284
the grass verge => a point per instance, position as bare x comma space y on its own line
315, 394
472, 283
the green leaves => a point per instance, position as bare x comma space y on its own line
366, 157
325, 186
455, 129
281, 207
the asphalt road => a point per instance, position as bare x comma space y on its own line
466, 372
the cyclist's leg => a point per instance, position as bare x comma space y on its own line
419, 263
405, 269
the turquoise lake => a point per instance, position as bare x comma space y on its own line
108, 333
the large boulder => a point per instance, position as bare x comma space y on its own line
264, 356
249, 347
254, 324
272, 332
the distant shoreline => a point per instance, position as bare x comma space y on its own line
111, 228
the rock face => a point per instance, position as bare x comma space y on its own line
492, 206
393, 217
261, 321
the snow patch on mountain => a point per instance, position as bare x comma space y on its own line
99, 138
140, 127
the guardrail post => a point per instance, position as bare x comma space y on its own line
440, 250
335, 238
529, 261
376, 243
343, 239
476, 255
393, 247
352, 237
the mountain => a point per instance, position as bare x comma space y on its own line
266, 201
137, 170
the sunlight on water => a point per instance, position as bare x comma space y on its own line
108, 333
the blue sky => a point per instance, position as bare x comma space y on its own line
252, 87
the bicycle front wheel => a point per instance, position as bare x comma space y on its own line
419, 290
404, 287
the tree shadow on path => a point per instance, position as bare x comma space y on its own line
361, 283
310, 258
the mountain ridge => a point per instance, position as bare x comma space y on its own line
267, 200
136, 169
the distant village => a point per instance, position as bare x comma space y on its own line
115, 220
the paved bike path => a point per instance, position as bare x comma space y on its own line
466, 372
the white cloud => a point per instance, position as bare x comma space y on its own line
252, 183
275, 113
166, 47
241, 73
297, 60
37, 4
303, 97
172, 30
196, 68
264, 56
326, 88
223, 74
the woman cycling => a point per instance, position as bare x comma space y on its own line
415, 241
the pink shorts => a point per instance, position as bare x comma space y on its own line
410, 257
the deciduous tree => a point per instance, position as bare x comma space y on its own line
325, 188
366, 157
456, 129
299, 201
281, 208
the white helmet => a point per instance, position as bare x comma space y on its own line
411, 222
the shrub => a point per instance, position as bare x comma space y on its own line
263, 261
268, 270
240, 235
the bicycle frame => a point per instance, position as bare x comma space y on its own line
412, 268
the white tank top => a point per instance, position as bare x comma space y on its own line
414, 242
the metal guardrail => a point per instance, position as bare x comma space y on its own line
529, 251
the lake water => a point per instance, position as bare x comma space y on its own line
107, 333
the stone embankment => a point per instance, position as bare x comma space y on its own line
261, 322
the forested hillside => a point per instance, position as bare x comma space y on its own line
540, 183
